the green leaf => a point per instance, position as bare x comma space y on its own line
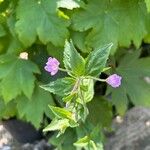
79, 40
108, 21
69, 4
89, 136
62, 112
147, 5
65, 141
16, 77
41, 17
57, 125
7, 110
82, 141
101, 109
4, 5
120, 100
2, 31
69, 97
96, 60
56, 52
34, 109
133, 84
15, 46
89, 93
60, 87
73, 61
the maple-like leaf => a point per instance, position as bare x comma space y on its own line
34, 108
17, 76
39, 18
134, 86
119, 22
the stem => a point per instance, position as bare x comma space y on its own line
76, 86
97, 79
61, 69
68, 71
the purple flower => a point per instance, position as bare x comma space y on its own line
52, 66
114, 80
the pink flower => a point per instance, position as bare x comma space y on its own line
114, 80
52, 66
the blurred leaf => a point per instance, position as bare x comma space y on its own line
16, 77
120, 99
100, 111
91, 141
47, 25
4, 5
7, 110
147, 5
56, 52
65, 141
133, 84
108, 21
79, 41
82, 141
69, 4
34, 109
2, 31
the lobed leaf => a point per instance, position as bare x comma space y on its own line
17, 76
39, 18
34, 108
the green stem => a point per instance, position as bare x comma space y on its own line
68, 71
97, 79
61, 69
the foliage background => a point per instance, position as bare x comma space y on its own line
40, 28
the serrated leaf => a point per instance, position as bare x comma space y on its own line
34, 108
111, 22
73, 61
60, 87
69, 4
57, 125
62, 112
17, 76
96, 60
133, 84
41, 17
